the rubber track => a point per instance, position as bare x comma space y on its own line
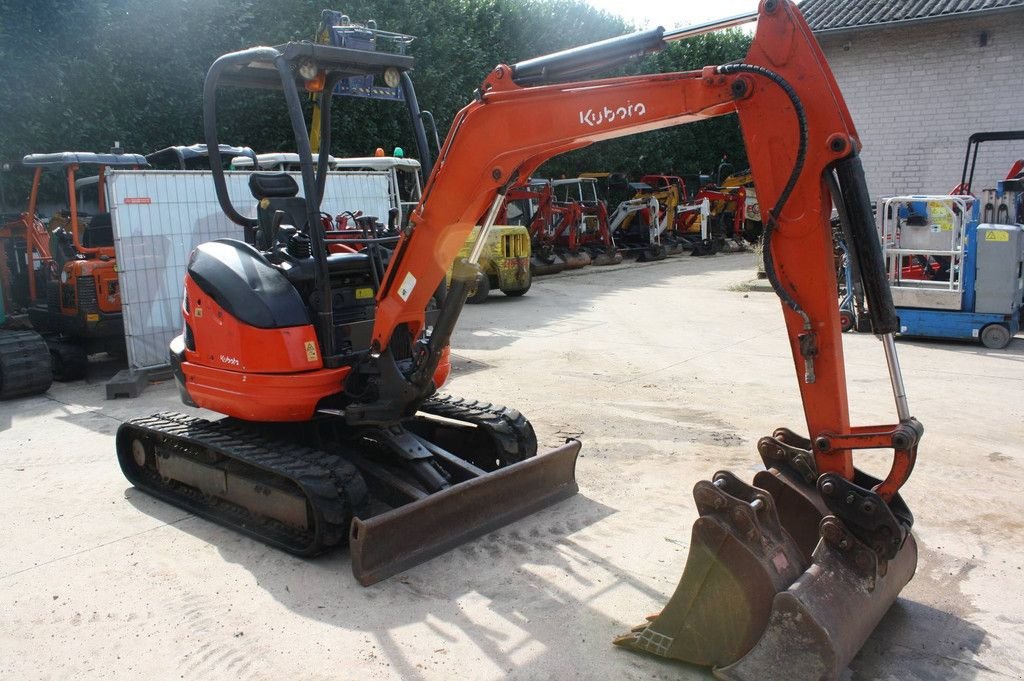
509, 429
24, 364
333, 486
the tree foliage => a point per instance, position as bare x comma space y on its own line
80, 74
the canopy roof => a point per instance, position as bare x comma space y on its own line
83, 158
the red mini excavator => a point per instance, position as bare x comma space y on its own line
327, 372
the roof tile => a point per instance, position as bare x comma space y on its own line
832, 15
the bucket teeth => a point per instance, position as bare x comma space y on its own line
774, 588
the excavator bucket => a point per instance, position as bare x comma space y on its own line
398, 539
772, 577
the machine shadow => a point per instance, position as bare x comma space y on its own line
915, 642
463, 366
103, 367
1013, 352
505, 570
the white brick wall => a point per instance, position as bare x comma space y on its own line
917, 92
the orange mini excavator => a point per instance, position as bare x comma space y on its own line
327, 372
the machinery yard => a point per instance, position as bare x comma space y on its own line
666, 371
252, 428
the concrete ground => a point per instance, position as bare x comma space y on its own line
667, 371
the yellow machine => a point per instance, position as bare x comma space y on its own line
504, 262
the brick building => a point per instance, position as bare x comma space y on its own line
919, 77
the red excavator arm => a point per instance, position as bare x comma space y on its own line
797, 131
801, 565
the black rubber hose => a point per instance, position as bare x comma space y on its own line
794, 176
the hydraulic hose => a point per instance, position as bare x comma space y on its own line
794, 176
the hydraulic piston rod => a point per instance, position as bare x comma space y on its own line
709, 26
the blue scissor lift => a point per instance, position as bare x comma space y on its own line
952, 276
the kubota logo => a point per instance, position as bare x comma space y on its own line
233, 361
610, 115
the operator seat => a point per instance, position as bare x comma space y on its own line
276, 193
98, 232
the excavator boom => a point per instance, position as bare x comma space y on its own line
745, 591
795, 155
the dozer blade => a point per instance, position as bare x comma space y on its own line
540, 265
652, 253
574, 261
758, 601
387, 544
673, 246
606, 257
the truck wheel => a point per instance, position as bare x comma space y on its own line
995, 336
517, 292
482, 290
847, 321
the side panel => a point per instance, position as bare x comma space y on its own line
955, 325
223, 341
260, 397
1000, 273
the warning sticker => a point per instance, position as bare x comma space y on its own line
940, 215
408, 284
997, 235
140, 200
311, 355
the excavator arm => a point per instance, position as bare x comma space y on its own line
803, 564
799, 138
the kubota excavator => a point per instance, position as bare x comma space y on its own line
328, 390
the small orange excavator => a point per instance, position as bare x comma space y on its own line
68, 268
327, 372
554, 226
